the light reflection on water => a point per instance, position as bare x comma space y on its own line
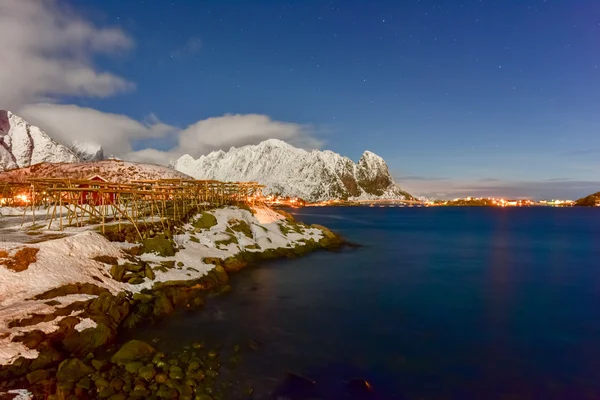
440, 303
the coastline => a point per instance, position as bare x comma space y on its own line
82, 290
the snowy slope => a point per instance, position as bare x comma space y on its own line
112, 170
87, 151
289, 171
22, 144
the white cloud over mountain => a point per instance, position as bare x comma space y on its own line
51, 52
116, 133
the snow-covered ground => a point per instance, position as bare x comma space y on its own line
69, 260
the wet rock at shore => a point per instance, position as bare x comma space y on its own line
71, 370
134, 350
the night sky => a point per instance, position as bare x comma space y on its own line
466, 97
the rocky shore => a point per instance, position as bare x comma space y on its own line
56, 345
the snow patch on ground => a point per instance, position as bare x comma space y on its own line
20, 394
85, 324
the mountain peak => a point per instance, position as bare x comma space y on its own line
290, 171
22, 144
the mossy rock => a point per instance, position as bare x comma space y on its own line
47, 357
71, 370
206, 221
89, 339
149, 273
242, 227
39, 375
142, 297
161, 246
162, 305
134, 267
226, 242
194, 239
147, 372
134, 350
220, 274
326, 231
136, 280
134, 366
117, 272
101, 365
106, 260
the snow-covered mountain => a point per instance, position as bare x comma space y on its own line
22, 144
288, 171
88, 151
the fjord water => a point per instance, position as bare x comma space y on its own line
449, 303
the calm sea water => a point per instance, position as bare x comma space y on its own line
440, 303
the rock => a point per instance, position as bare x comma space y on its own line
161, 246
117, 384
147, 372
101, 383
136, 280
87, 340
85, 383
176, 374
39, 375
180, 264
134, 350
31, 339
162, 305
100, 365
196, 375
134, 367
117, 272
144, 298
106, 260
47, 357
213, 354
161, 378
118, 396
220, 274
198, 345
106, 393
193, 366
167, 393
149, 273
68, 323
133, 267
71, 370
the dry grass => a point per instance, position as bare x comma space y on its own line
21, 260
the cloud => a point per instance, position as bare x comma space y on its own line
241, 129
118, 134
48, 52
114, 132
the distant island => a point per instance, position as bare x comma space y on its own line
593, 200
